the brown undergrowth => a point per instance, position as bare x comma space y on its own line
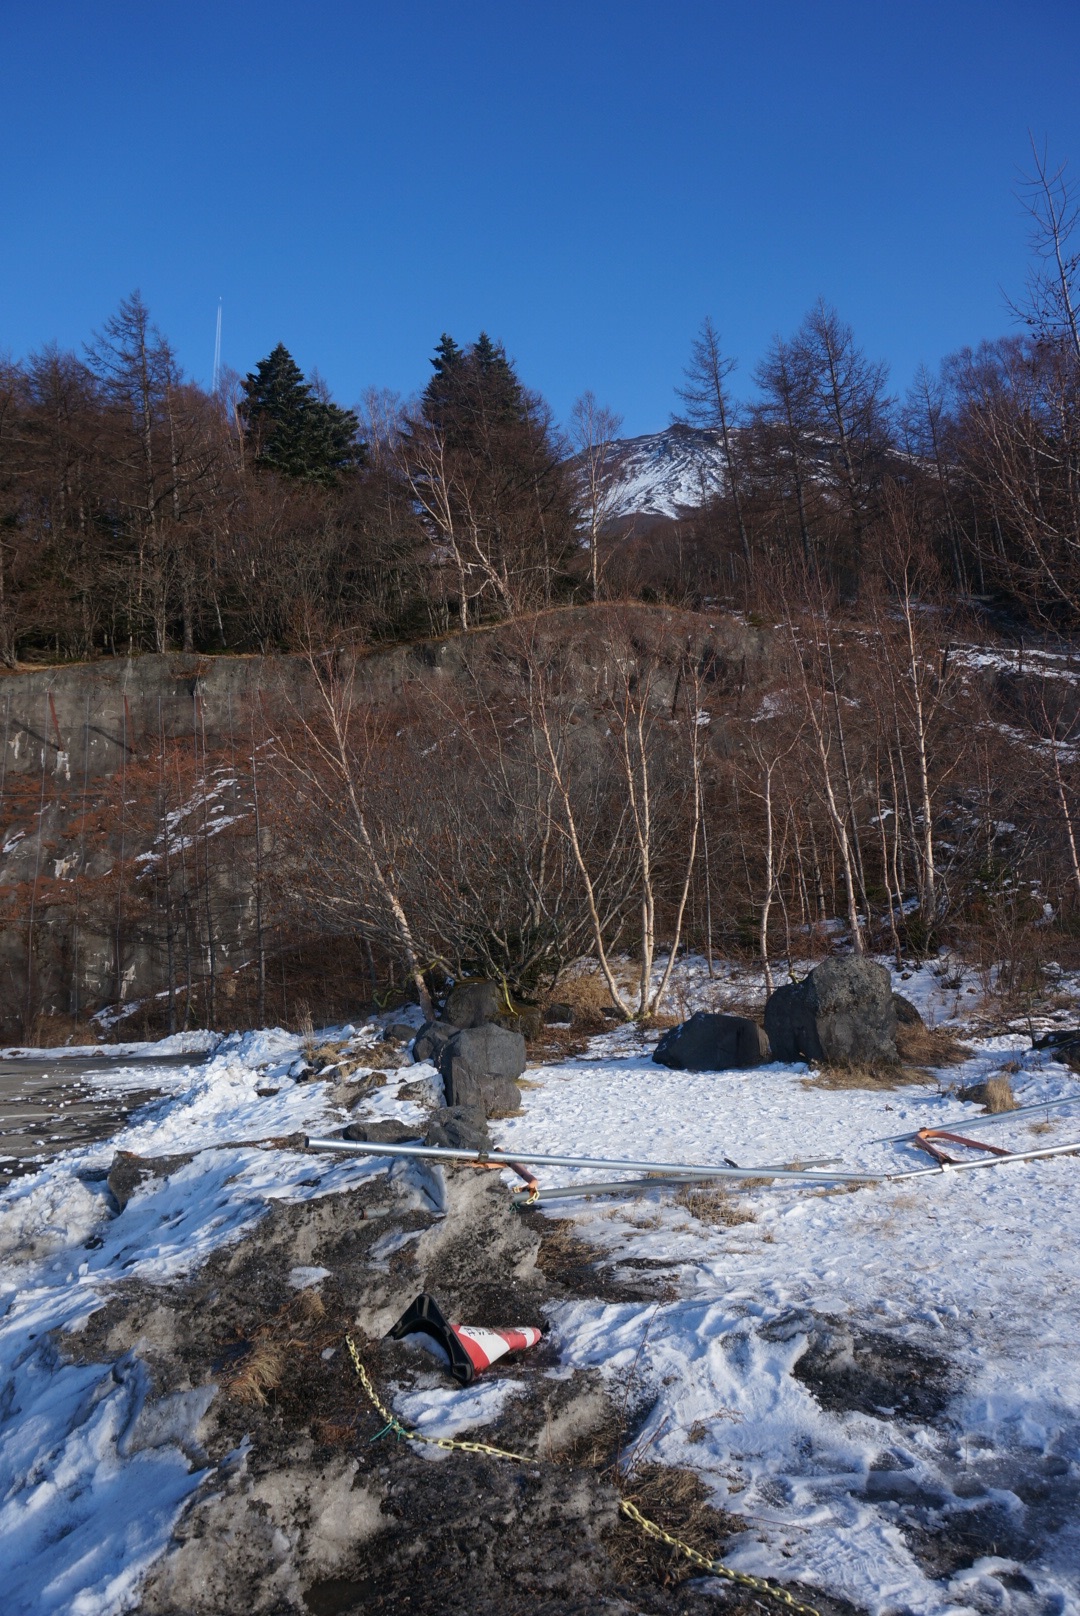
862, 1075
995, 1095
712, 1205
930, 1046
678, 1499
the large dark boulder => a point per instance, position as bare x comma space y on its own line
790, 1024
474, 1004
432, 1039
479, 1065
384, 1131
843, 1013
461, 1127
712, 1043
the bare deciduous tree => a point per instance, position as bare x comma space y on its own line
594, 429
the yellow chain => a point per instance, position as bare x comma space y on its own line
715, 1568
445, 1442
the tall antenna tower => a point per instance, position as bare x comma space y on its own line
217, 351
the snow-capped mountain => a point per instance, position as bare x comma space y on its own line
666, 473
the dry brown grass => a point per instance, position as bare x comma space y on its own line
558, 1043
662, 1020
260, 1373
845, 1189
588, 996
277, 1351
860, 1075
564, 1257
930, 1046
311, 1305
326, 1055
995, 1095
677, 1500
999, 1093
712, 1205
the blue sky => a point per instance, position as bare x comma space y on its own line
584, 180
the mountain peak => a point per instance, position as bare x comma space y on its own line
666, 474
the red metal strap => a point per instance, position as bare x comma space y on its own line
925, 1137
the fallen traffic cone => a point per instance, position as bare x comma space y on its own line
470, 1348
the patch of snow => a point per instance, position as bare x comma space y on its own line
302, 1279
438, 1412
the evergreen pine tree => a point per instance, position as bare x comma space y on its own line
448, 364
486, 446
291, 429
503, 394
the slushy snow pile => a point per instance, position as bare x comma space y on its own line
93, 1471
979, 1269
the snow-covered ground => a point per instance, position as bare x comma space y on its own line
978, 1270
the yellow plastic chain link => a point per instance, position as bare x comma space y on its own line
394, 1424
715, 1568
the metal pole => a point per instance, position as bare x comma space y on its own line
989, 1161
622, 1186
503, 1158
990, 1120
566, 1192
677, 1172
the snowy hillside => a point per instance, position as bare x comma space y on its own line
666, 473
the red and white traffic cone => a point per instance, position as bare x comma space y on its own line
485, 1346
470, 1348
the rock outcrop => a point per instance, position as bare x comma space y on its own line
843, 1013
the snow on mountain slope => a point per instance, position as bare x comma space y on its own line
666, 473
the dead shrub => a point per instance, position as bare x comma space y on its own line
712, 1205
919, 1045
995, 1095
55, 1030
862, 1075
